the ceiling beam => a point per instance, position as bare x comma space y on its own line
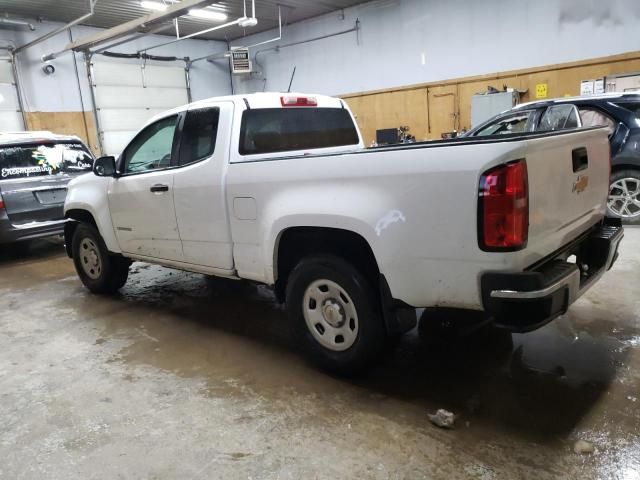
46, 36
144, 23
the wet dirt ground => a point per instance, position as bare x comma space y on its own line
182, 376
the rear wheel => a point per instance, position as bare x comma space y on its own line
624, 196
98, 270
335, 314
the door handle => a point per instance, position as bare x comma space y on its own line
580, 159
158, 188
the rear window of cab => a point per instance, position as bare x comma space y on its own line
272, 130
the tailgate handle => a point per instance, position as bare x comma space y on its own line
580, 159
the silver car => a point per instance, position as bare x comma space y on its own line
35, 168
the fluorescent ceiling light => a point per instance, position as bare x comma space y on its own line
160, 7
196, 12
207, 14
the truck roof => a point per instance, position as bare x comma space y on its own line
16, 138
256, 100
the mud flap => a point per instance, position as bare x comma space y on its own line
399, 317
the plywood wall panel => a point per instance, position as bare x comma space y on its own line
67, 123
430, 114
443, 111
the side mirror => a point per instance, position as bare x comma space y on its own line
105, 167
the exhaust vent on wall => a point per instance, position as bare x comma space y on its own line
240, 62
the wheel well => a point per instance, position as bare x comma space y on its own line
78, 216
81, 216
298, 242
624, 166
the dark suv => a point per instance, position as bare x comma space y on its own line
620, 112
35, 168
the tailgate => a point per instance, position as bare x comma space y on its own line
34, 200
568, 187
34, 177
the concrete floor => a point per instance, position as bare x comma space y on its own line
187, 377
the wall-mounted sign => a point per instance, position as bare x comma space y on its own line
592, 87
542, 90
240, 62
587, 87
598, 86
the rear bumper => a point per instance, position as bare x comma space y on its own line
524, 301
10, 233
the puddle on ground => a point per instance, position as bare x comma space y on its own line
576, 376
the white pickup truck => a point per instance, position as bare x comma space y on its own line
277, 188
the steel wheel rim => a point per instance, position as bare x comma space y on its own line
624, 197
90, 258
330, 315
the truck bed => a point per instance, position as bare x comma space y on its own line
417, 206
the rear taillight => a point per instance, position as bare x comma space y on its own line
1, 204
299, 101
503, 208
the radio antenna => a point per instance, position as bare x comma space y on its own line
293, 74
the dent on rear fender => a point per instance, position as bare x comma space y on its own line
388, 219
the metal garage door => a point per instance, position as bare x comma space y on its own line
10, 114
127, 95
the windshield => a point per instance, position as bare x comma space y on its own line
45, 159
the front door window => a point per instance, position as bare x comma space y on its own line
151, 149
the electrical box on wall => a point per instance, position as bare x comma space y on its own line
485, 106
240, 62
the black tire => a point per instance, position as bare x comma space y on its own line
113, 270
370, 334
620, 175
22, 248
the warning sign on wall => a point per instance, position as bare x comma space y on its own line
541, 90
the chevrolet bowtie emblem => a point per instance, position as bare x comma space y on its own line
581, 184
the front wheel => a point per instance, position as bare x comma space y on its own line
98, 270
335, 314
624, 196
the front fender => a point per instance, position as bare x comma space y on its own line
89, 193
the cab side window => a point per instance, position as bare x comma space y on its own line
198, 139
559, 117
595, 118
151, 149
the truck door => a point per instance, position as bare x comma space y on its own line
141, 198
199, 186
